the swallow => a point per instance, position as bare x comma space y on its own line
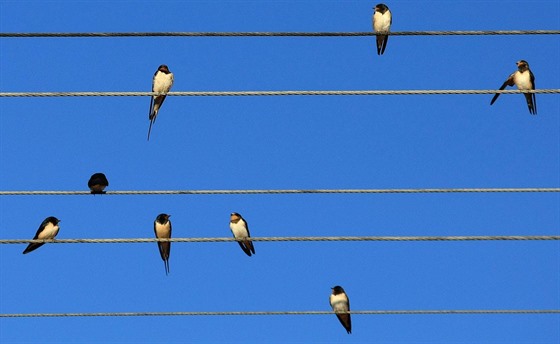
161, 83
240, 230
97, 183
524, 79
340, 303
47, 230
162, 229
381, 21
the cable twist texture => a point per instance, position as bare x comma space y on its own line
262, 313
274, 34
283, 191
271, 93
273, 239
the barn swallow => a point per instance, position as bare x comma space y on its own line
47, 230
162, 229
340, 303
97, 183
240, 230
524, 79
381, 21
161, 83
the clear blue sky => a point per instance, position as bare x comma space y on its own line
275, 143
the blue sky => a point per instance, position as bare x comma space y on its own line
431, 141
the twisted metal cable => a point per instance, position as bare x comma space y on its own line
272, 239
264, 313
282, 191
274, 34
271, 93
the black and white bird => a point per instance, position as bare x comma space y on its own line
161, 83
524, 79
381, 20
162, 229
240, 230
97, 183
340, 303
47, 230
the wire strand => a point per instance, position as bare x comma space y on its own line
274, 34
264, 313
271, 93
281, 191
272, 239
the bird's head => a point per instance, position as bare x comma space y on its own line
164, 69
337, 290
522, 65
381, 8
234, 217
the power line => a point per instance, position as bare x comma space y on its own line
272, 93
274, 34
272, 239
281, 191
264, 313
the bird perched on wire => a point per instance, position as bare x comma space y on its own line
47, 230
524, 79
162, 229
381, 20
161, 83
240, 230
340, 303
97, 183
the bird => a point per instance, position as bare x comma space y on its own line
240, 230
161, 83
97, 183
162, 229
47, 230
340, 303
524, 79
381, 20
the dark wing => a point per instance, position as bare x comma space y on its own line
508, 82
33, 246
532, 97
249, 243
345, 319
152, 97
166, 247
150, 117
385, 39
244, 248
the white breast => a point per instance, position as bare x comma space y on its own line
163, 231
339, 302
239, 229
49, 232
523, 80
163, 82
381, 22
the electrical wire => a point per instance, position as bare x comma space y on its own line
282, 191
272, 93
274, 34
272, 239
264, 313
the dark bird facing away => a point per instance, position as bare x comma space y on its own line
340, 303
162, 229
524, 79
47, 230
97, 183
240, 230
